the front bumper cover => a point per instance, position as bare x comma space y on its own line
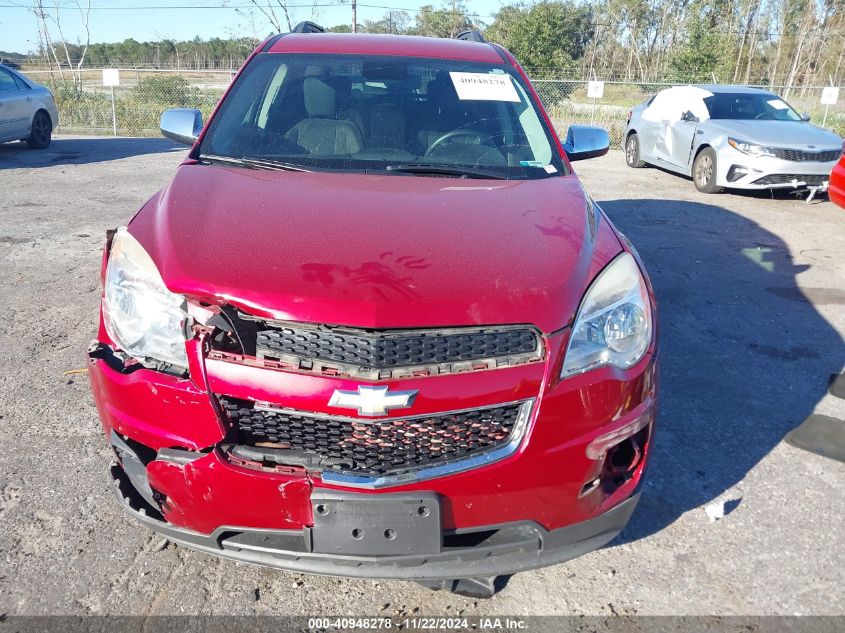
756, 173
466, 553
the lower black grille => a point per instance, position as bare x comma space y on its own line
804, 156
378, 447
389, 349
787, 179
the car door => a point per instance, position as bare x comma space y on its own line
682, 134
657, 119
647, 131
676, 113
16, 105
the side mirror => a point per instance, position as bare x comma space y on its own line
586, 141
182, 125
689, 116
805, 116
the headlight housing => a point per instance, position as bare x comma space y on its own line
614, 323
142, 317
750, 148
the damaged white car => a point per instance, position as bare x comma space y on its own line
731, 136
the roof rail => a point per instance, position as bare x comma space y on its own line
308, 27
471, 35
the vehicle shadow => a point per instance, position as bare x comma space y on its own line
744, 355
81, 151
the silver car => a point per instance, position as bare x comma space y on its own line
730, 136
27, 111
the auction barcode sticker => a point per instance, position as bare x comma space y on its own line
484, 87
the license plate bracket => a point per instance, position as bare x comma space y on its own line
376, 524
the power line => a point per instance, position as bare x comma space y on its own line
182, 7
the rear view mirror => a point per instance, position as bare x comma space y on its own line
805, 116
383, 71
586, 141
182, 125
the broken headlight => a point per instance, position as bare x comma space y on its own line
613, 325
142, 317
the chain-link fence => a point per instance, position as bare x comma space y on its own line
85, 105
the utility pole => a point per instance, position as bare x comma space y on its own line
354, 16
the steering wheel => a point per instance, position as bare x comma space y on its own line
449, 136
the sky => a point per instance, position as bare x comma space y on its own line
143, 20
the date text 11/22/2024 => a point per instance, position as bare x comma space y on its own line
428, 623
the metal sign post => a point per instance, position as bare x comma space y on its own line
113, 114
111, 78
595, 90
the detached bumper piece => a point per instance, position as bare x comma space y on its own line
402, 539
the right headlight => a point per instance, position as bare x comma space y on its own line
614, 323
750, 148
141, 316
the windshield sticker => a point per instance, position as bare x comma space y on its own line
531, 163
778, 104
484, 87
550, 169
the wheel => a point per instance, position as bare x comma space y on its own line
42, 131
704, 171
632, 151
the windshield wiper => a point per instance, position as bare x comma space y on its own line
444, 170
252, 163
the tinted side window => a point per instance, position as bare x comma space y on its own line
20, 83
7, 82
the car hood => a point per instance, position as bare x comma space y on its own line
377, 251
797, 134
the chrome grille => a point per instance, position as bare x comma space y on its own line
380, 353
375, 448
805, 156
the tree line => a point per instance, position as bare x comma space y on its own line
774, 42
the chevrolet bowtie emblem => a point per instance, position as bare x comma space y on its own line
372, 401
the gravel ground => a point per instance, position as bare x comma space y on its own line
751, 293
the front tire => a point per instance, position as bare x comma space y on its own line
632, 151
704, 171
42, 131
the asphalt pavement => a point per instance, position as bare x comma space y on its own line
751, 293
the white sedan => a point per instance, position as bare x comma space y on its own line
27, 111
730, 136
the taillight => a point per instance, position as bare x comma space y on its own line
631, 112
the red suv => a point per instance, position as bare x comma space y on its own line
374, 327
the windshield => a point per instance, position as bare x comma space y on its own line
750, 106
371, 113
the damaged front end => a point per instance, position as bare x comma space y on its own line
233, 441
